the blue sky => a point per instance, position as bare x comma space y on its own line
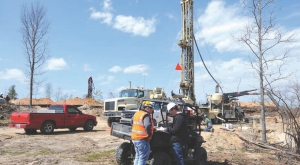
136, 40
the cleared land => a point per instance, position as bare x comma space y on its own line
97, 147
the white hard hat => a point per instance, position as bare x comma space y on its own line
205, 115
170, 106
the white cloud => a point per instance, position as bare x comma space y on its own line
115, 69
56, 64
218, 23
106, 17
107, 5
136, 69
9, 74
137, 26
87, 68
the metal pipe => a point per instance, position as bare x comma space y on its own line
220, 118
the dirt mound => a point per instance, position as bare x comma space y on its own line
25, 101
255, 104
81, 101
45, 102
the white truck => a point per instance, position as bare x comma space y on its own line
159, 112
129, 99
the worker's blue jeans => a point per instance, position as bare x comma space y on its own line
142, 150
177, 147
207, 129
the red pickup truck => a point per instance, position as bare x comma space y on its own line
58, 116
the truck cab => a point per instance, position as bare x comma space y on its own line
129, 99
159, 113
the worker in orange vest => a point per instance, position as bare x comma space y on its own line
142, 131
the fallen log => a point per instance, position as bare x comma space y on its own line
269, 147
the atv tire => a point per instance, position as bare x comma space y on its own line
160, 158
201, 156
122, 154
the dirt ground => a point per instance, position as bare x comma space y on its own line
97, 147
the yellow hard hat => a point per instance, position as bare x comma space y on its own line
148, 104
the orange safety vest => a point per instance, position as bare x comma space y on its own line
138, 130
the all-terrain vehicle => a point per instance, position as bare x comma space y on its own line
161, 151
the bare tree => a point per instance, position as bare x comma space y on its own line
36, 88
34, 30
65, 96
58, 93
287, 101
48, 90
98, 95
261, 36
111, 95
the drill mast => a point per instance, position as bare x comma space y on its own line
187, 55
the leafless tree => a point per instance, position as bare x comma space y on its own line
287, 101
261, 35
58, 93
65, 96
98, 95
34, 29
111, 95
48, 90
36, 88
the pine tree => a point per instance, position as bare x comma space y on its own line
12, 92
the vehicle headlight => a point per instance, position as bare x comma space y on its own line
122, 115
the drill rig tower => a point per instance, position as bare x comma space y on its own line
90, 88
187, 54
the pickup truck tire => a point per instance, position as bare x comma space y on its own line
201, 156
160, 158
122, 154
30, 131
47, 127
89, 125
72, 129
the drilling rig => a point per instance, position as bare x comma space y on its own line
217, 107
187, 54
90, 88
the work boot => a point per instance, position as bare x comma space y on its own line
212, 129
